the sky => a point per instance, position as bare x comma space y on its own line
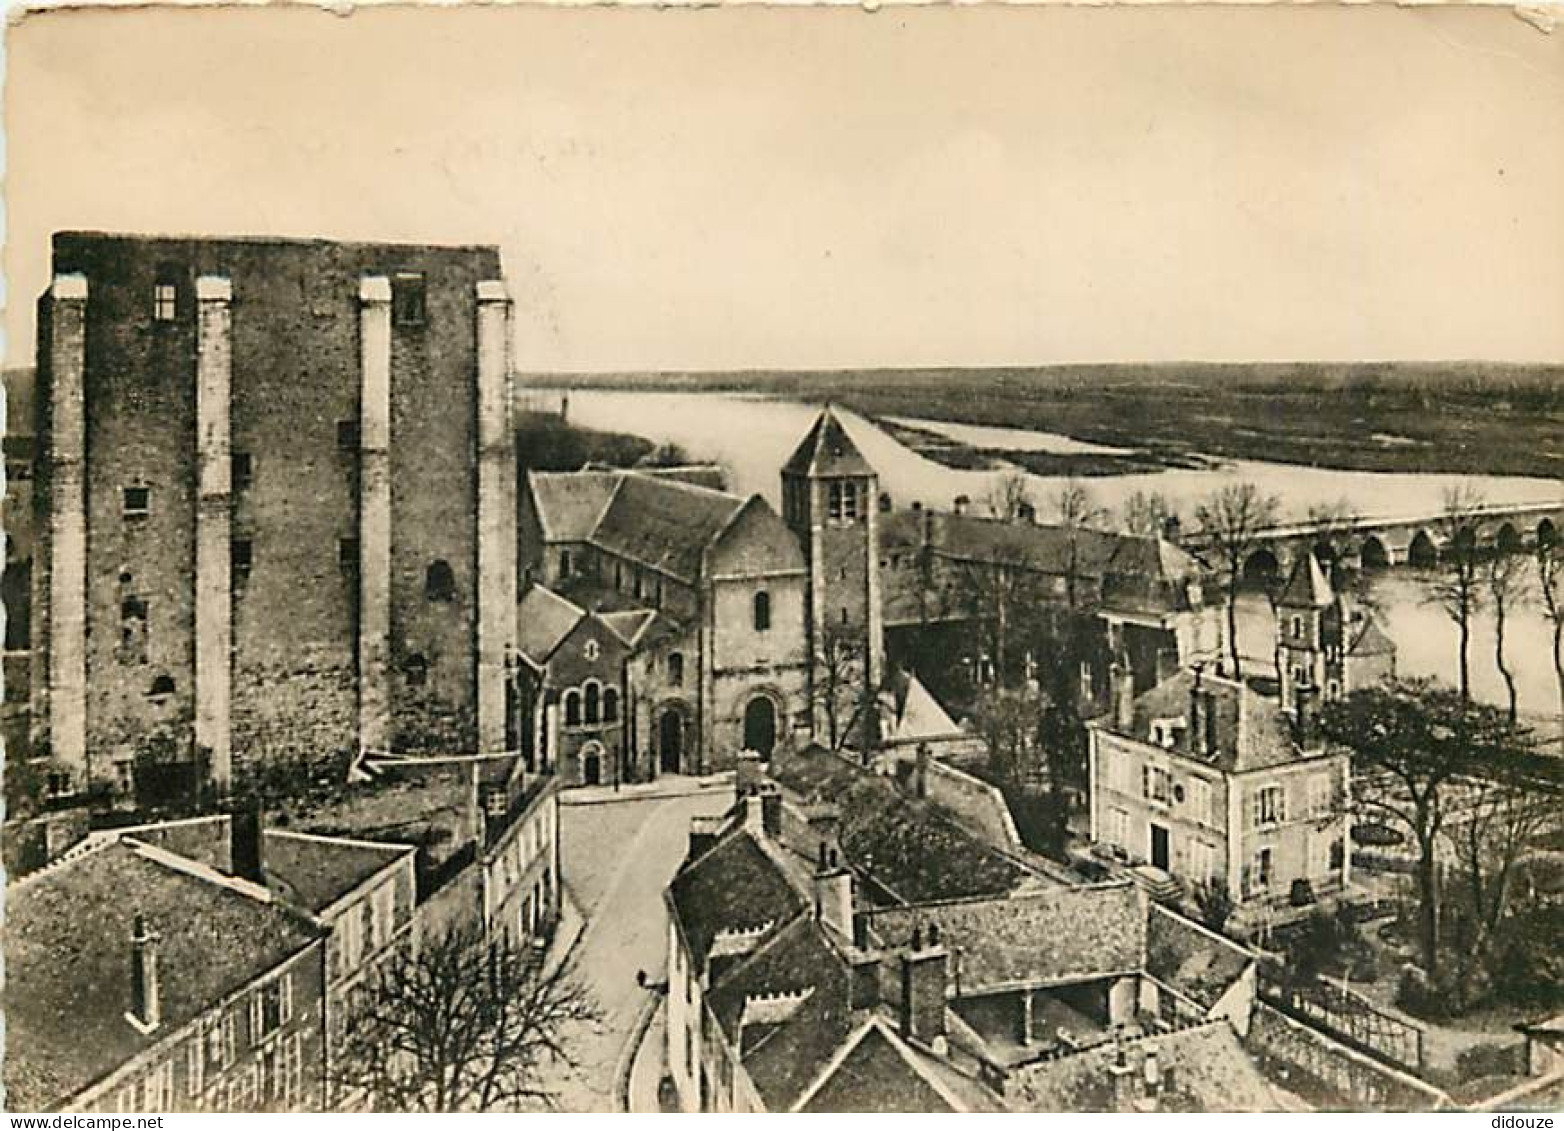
786, 187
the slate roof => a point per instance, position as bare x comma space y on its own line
569, 503
906, 846
1206, 1068
1252, 731
876, 1076
1307, 587
1151, 558
827, 450
664, 524
315, 871
543, 620
1069, 934
67, 952
1197, 963
733, 886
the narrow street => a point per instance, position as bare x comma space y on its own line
617, 858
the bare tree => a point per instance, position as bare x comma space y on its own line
1505, 580
1458, 589
1232, 519
1499, 824
1414, 744
1001, 592
838, 690
1550, 581
1146, 513
460, 1024
1011, 498
1075, 510
1007, 720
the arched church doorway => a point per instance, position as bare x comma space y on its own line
592, 764
670, 741
760, 726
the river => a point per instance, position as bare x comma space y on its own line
752, 436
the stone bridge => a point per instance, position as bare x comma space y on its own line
1415, 540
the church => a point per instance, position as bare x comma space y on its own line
665, 624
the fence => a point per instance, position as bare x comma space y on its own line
1350, 1018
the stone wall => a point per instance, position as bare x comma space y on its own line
1328, 1074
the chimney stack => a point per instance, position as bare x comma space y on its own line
748, 775
1122, 680
1121, 1079
920, 773
834, 894
923, 973
771, 809
825, 823
146, 1004
865, 985
1197, 717
245, 844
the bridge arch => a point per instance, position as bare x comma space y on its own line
1325, 552
1373, 554
1508, 539
1423, 553
1547, 533
1464, 542
1262, 567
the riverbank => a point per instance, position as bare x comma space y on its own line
1454, 418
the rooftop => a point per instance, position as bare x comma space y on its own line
827, 450
905, 846
1049, 938
543, 620
1250, 730
315, 872
67, 957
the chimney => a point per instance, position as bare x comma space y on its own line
771, 810
748, 775
754, 813
1121, 1079
864, 989
920, 773
825, 824
703, 834
923, 971
962, 502
1151, 1079
1307, 698
1197, 717
245, 845
1123, 689
834, 893
146, 1005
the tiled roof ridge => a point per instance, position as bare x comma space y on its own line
1011, 899
197, 870
684, 484
325, 838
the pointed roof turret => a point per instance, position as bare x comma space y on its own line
827, 450
1308, 587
